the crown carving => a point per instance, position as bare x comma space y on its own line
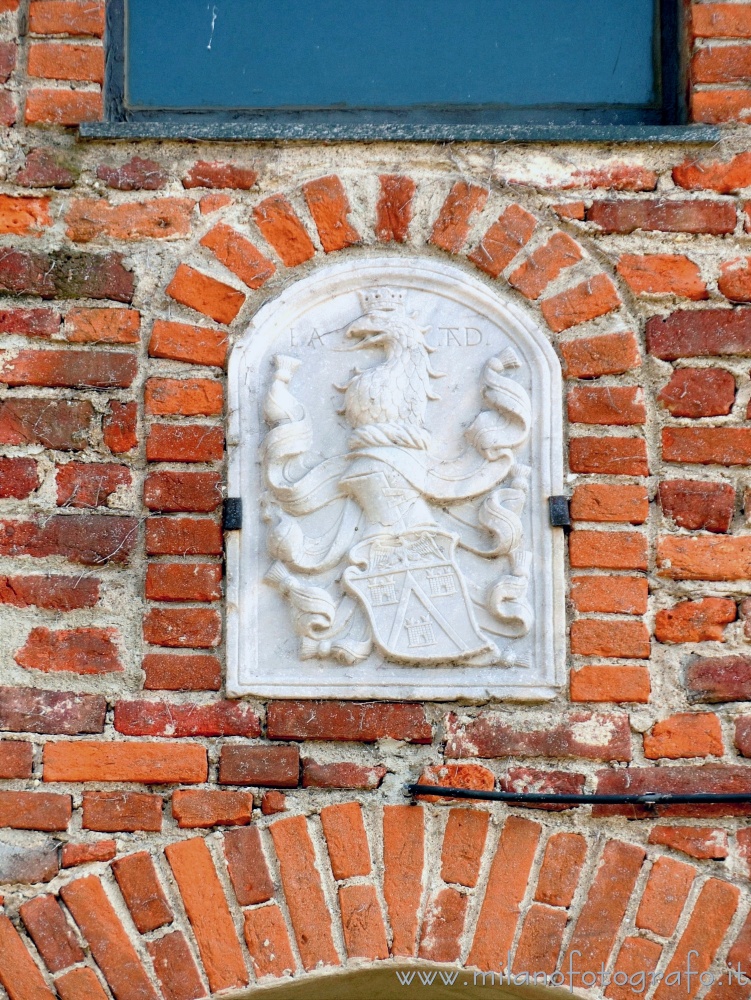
381, 299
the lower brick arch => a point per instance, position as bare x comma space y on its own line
424, 888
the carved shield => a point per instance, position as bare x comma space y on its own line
415, 597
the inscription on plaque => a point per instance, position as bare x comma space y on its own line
395, 436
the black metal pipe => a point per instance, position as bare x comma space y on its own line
553, 798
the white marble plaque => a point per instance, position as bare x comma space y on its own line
395, 433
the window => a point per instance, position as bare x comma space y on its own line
393, 67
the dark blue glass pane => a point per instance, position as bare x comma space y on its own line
388, 53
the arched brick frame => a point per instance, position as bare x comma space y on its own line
465, 887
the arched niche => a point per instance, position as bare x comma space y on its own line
395, 434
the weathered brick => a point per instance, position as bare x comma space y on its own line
540, 940
8, 108
175, 967
35, 811
697, 841
605, 637
24, 216
530, 779
26, 865
403, 862
579, 734
273, 802
214, 202
65, 274
719, 678
698, 505
268, 942
66, 61
684, 735
742, 738
701, 333
214, 174
62, 107
135, 174
713, 175
215, 299
451, 228
265, 766
239, 255
70, 369
443, 925
346, 840
593, 682
190, 397
80, 984
695, 621
184, 443
571, 210
42, 323
74, 855
138, 881
196, 345
720, 20
502, 242
18, 973
176, 672
328, 204
594, 297
89, 539
625, 595
119, 427
562, 863
699, 392
607, 549
605, 354
662, 274
182, 628
60, 713
394, 208
182, 491
183, 581
282, 229
248, 870
79, 651
456, 776
43, 169
102, 326
301, 881
331, 720
707, 445
50, 931
697, 216
606, 503
463, 846
609, 456
121, 812
735, 280
183, 536
16, 759
67, 17
545, 264
716, 778
148, 763
341, 774
160, 718
362, 922
637, 960
202, 809
89, 484
19, 478
8, 53
620, 405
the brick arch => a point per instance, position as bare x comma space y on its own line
354, 886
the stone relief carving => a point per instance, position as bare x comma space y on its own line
395, 529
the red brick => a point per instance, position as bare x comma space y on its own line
200, 809
42, 169
102, 326
499, 914
74, 855
662, 274
8, 52
121, 812
502, 242
655, 214
699, 392
451, 228
394, 208
592, 298
625, 595
606, 354
719, 678
720, 20
138, 881
716, 778
107, 938
42, 323
80, 984
24, 216
67, 17
239, 255
700, 334
213, 202
610, 684
18, 973
565, 854
183, 581
50, 931
588, 735
341, 774
707, 445
79, 651
265, 766
456, 776
530, 779
463, 846
182, 628
175, 967
328, 204
183, 491
684, 735
204, 174
609, 456
268, 942
62, 107
346, 840
696, 841
695, 621
698, 505
545, 264
571, 210
183, 536
403, 863
248, 870
88, 484
282, 229
147, 763
18, 478
607, 550
89, 539
349, 721
190, 397
443, 925
65, 274
604, 503
24, 864
70, 369
207, 295
540, 940
621, 405
16, 759
707, 926
738, 956
637, 960
8, 108
184, 443
176, 672
66, 61
135, 174
196, 345
362, 922
119, 428
735, 280
59, 713
743, 735
273, 802
163, 719
594, 637
716, 106
35, 811
311, 920
721, 64
605, 907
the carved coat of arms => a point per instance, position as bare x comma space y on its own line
363, 544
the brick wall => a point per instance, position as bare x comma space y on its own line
159, 839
